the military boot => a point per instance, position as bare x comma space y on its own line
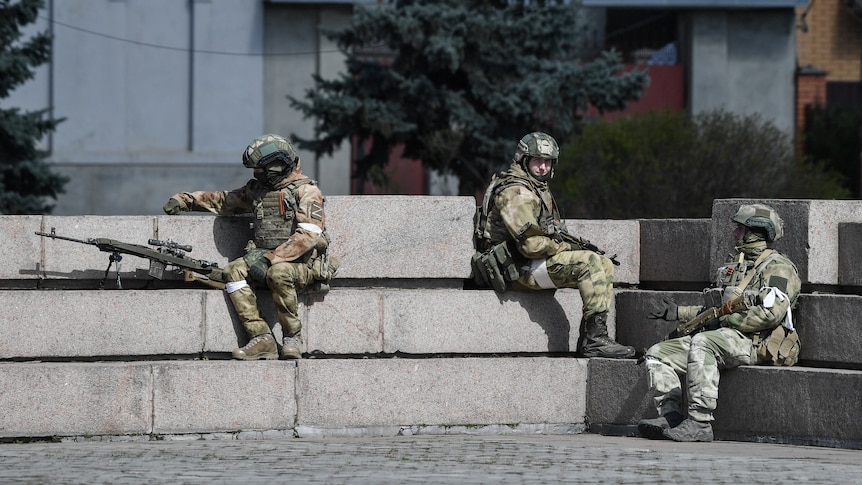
654, 428
259, 347
595, 342
690, 430
291, 347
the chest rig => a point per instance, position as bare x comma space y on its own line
736, 277
489, 228
275, 215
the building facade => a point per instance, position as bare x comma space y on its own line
161, 96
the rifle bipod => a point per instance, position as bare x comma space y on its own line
113, 258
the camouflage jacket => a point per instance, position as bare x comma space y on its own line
776, 272
244, 200
522, 210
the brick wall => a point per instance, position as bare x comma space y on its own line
830, 38
810, 90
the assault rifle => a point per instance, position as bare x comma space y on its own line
708, 316
167, 253
586, 245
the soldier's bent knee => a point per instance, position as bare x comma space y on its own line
235, 270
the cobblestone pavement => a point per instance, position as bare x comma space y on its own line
461, 459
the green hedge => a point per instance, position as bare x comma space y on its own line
667, 164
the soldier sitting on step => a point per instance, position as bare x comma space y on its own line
752, 297
288, 253
522, 244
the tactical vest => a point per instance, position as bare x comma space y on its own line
490, 230
275, 215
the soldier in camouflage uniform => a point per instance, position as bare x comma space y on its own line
769, 284
521, 218
289, 247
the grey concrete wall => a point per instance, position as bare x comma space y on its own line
743, 61
384, 237
675, 250
297, 48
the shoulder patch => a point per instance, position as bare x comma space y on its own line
778, 282
315, 210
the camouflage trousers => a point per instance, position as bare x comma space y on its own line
591, 273
699, 358
284, 280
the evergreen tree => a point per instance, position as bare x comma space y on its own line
26, 180
467, 79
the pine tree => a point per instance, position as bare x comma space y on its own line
26, 180
467, 79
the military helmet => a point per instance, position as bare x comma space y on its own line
537, 145
267, 149
760, 216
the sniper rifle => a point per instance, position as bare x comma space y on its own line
167, 253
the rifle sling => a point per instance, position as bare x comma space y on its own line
748, 277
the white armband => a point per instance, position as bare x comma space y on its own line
310, 227
769, 302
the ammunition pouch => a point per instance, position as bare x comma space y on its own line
323, 267
495, 268
779, 346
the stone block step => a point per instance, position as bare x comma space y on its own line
375, 237
181, 397
135, 323
348, 321
795, 405
828, 324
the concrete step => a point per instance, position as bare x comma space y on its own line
349, 321
375, 237
346, 321
795, 405
181, 397
315, 397
828, 324
136, 361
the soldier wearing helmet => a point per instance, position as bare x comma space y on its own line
289, 250
769, 285
519, 238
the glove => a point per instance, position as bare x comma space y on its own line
257, 270
668, 311
172, 207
